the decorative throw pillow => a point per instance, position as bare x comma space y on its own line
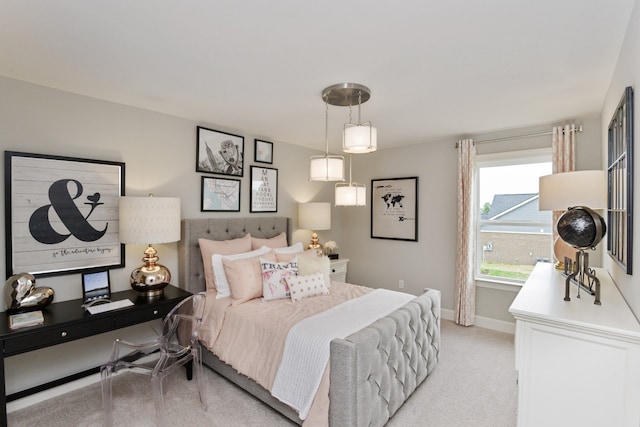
222, 247
274, 278
219, 272
245, 277
310, 285
315, 264
279, 241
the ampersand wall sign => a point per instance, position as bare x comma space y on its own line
61, 213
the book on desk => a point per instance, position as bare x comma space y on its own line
22, 320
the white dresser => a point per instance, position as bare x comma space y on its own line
578, 363
339, 270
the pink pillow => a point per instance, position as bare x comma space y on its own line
307, 286
222, 247
279, 241
245, 277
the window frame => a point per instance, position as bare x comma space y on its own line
508, 158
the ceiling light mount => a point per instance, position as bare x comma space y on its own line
346, 94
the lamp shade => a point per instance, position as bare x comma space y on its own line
352, 194
314, 216
561, 191
360, 138
326, 168
148, 220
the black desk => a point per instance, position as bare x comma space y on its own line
67, 321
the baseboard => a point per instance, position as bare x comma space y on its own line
485, 322
52, 392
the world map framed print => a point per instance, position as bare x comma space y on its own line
394, 208
220, 195
61, 214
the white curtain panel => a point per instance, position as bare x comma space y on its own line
465, 296
564, 159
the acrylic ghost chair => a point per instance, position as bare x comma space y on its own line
176, 345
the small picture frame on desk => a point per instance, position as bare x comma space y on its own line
96, 286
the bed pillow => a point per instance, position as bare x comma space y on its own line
274, 276
279, 241
222, 247
315, 264
245, 277
219, 272
290, 252
310, 285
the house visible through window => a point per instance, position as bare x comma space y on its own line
512, 234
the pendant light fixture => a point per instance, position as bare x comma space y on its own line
357, 137
351, 194
327, 167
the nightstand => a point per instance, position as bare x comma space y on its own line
339, 270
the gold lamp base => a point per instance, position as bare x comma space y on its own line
150, 279
315, 244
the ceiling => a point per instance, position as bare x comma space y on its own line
436, 69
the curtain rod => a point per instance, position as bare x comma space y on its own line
527, 135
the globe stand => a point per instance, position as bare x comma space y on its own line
580, 270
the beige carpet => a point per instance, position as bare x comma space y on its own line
473, 385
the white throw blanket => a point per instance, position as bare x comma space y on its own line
306, 351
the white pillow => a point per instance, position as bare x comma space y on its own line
310, 285
293, 249
315, 264
222, 283
274, 276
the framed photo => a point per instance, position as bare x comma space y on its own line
220, 195
219, 152
264, 189
620, 183
263, 151
394, 208
61, 214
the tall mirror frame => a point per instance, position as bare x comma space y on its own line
620, 183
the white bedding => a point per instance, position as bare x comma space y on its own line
306, 351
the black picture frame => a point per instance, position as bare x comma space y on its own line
220, 194
264, 189
219, 152
263, 151
394, 208
620, 183
61, 214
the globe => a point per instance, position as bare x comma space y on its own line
581, 227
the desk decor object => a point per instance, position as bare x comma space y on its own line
150, 220
580, 226
61, 214
24, 296
24, 320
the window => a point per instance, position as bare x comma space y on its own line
512, 234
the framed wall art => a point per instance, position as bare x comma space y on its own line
394, 209
263, 151
264, 189
620, 183
61, 214
220, 195
219, 152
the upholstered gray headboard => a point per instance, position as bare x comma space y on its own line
191, 273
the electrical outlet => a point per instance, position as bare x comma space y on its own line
401, 284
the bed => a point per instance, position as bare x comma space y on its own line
372, 371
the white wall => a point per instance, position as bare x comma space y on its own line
430, 261
627, 73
